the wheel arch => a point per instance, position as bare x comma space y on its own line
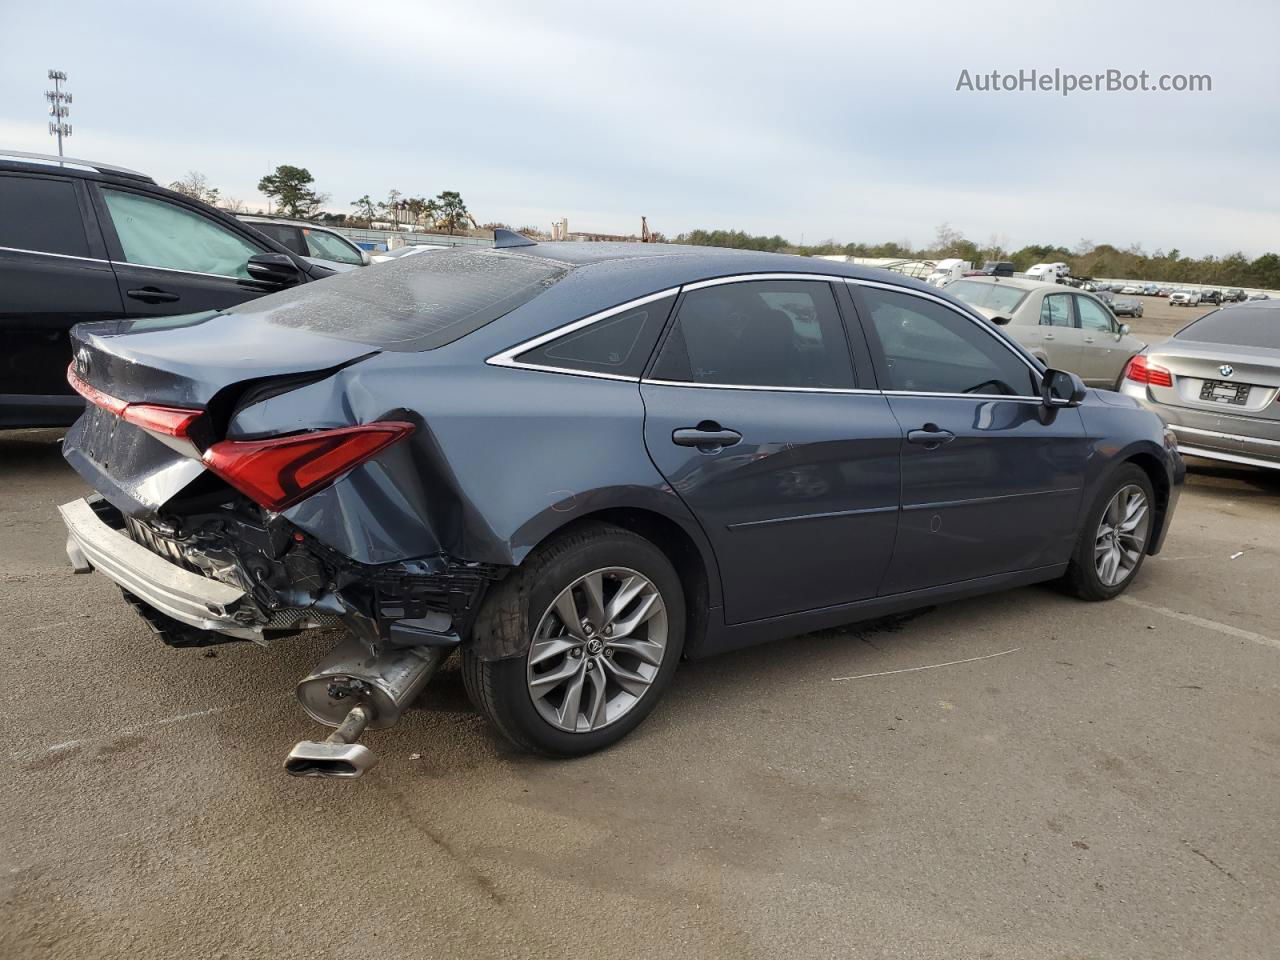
686, 548
1161, 485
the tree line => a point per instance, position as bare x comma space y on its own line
291, 191
1085, 259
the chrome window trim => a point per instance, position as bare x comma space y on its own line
748, 386
749, 277
189, 273
963, 396
46, 253
507, 358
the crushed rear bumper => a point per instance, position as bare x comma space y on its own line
198, 601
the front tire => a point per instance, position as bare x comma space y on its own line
599, 630
1113, 543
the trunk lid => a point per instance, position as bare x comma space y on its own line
204, 361
1194, 365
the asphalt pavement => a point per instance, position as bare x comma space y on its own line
1017, 776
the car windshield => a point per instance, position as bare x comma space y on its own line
1235, 326
412, 303
992, 296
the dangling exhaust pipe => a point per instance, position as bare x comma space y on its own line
353, 690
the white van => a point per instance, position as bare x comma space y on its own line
1048, 272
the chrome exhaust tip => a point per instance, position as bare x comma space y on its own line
311, 758
338, 755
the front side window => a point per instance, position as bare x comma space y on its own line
929, 348
1055, 311
41, 214
619, 345
759, 333
1093, 317
329, 246
156, 233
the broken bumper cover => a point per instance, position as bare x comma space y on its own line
197, 601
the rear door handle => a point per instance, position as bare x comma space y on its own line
930, 436
1049, 336
1088, 339
706, 434
153, 295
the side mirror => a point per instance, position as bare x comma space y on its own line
277, 269
365, 259
1059, 388
1001, 321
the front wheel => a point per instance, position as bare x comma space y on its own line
601, 622
1114, 541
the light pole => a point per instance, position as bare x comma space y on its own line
58, 108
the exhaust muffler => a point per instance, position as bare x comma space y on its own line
353, 690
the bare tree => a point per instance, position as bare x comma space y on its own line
195, 185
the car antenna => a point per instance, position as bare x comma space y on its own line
509, 238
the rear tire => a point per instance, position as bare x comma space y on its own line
585, 685
1113, 542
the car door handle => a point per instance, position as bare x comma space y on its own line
1088, 339
705, 434
153, 295
1049, 336
930, 436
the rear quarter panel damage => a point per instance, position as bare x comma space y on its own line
500, 459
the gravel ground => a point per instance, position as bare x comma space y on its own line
1104, 787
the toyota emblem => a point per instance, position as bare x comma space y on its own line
1226, 370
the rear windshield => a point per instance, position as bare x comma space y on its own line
412, 303
993, 296
1236, 326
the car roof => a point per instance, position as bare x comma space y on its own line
1018, 283
71, 166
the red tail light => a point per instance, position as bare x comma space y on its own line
278, 472
1140, 370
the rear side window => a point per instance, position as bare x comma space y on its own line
1236, 327
760, 333
412, 303
41, 213
282, 233
618, 345
929, 348
328, 246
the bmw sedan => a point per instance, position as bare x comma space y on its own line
1069, 330
577, 464
1216, 382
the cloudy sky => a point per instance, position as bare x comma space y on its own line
808, 119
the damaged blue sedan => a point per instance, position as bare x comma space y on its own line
576, 464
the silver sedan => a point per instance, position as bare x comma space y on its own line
1067, 329
1216, 383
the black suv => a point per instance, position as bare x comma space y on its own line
89, 241
1211, 296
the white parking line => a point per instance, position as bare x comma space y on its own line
932, 666
135, 728
1214, 625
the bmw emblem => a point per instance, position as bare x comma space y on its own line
1226, 369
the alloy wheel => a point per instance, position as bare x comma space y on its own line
1122, 535
597, 649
